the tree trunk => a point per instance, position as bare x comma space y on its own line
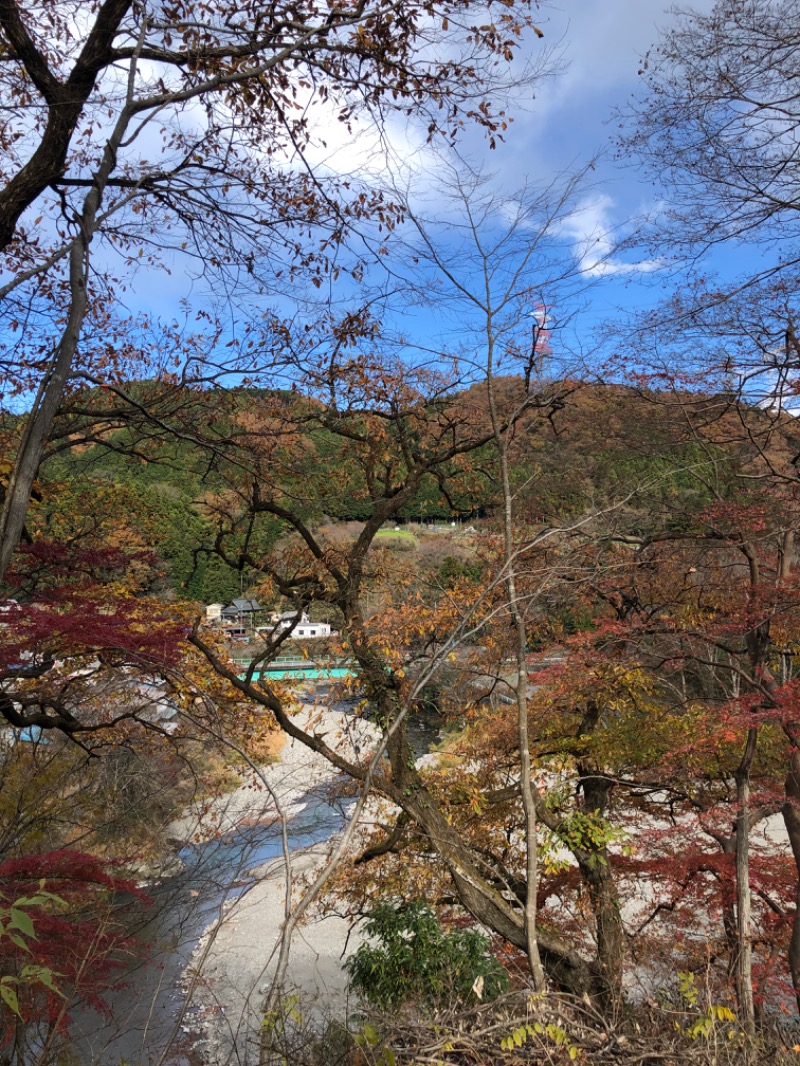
42, 415
791, 818
474, 885
53, 385
598, 875
484, 900
521, 684
744, 953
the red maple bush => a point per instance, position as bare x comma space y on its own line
64, 938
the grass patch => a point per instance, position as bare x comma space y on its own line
396, 538
395, 533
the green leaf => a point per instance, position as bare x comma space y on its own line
44, 975
370, 1034
22, 921
9, 996
40, 899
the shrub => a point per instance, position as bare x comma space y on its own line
452, 571
415, 959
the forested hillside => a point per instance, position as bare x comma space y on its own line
599, 445
169, 493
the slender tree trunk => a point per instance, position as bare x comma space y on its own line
757, 642
521, 686
791, 805
42, 415
744, 953
54, 382
791, 818
730, 929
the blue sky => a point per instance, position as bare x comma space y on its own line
574, 119
571, 121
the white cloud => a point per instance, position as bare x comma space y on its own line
601, 44
595, 241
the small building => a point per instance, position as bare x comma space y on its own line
241, 612
305, 629
214, 613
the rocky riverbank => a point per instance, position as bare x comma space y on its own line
232, 965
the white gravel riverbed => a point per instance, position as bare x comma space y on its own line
232, 965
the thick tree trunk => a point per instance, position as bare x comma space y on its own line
569, 970
609, 933
473, 882
598, 875
65, 101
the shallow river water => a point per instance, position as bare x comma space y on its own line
145, 1024
145, 1015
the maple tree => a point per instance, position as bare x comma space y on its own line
60, 945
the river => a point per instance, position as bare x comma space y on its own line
146, 1013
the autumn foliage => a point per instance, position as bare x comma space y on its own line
65, 937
